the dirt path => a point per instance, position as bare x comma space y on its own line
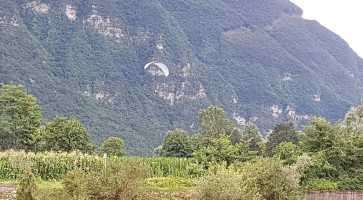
7, 192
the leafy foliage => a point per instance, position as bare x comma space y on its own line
273, 181
287, 152
20, 118
319, 135
213, 122
352, 122
176, 144
227, 184
244, 56
220, 150
113, 146
326, 157
27, 187
252, 180
321, 185
122, 180
66, 135
336, 152
252, 132
283, 132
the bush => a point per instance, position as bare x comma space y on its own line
261, 178
227, 184
122, 180
50, 193
27, 187
321, 185
75, 184
351, 181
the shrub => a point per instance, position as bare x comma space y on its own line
261, 178
50, 193
320, 185
27, 187
227, 184
122, 180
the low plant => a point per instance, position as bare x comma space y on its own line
122, 180
225, 184
170, 184
27, 187
320, 185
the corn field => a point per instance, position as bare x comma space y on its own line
52, 165
46, 165
177, 167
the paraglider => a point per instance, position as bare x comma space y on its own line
162, 66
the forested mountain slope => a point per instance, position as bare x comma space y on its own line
259, 60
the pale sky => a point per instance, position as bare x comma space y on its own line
344, 17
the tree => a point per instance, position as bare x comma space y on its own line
220, 150
283, 132
213, 122
158, 151
245, 153
353, 122
66, 135
20, 118
318, 136
236, 137
288, 152
252, 132
176, 144
113, 146
271, 179
198, 141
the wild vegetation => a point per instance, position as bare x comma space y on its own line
258, 60
222, 161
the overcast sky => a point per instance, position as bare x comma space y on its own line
344, 17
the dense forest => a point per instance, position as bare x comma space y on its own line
258, 60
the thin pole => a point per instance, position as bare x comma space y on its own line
105, 157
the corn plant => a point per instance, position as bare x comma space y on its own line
53, 165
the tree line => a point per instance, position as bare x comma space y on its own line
335, 150
21, 127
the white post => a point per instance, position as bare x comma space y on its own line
105, 157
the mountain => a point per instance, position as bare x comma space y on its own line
259, 60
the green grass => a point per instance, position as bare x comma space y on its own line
40, 183
7, 182
165, 184
170, 184
48, 184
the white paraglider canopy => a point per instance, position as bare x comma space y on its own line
162, 66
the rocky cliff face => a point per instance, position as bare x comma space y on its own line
259, 60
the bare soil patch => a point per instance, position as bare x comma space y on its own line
7, 192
